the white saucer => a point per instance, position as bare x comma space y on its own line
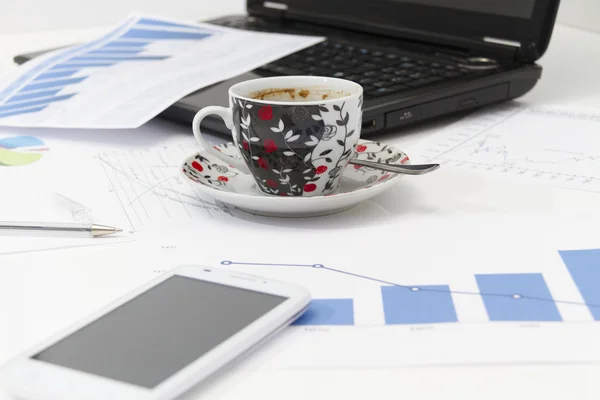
224, 183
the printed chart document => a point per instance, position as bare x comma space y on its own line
134, 72
137, 187
552, 146
379, 301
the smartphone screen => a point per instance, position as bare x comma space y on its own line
153, 336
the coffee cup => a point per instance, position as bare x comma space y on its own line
295, 134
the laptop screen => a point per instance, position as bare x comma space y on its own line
526, 23
509, 8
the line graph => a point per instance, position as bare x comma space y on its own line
150, 190
538, 146
506, 296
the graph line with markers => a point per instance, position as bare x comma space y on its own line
506, 296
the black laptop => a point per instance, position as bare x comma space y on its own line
416, 59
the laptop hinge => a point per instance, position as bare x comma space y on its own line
523, 52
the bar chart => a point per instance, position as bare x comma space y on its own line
328, 312
584, 267
41, 86
506, 297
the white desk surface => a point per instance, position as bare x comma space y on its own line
571, 73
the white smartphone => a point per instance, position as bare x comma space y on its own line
158, 341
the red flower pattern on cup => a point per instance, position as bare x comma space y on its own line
361, 148
310, 187
270, 146
262, 163
196, 165
223, 178
271, 183
321, 169
246, 145
383, 178
357, 166
265, 113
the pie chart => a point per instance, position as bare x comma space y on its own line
20, 150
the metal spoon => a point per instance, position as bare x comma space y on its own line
417, 169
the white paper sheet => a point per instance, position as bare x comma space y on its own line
131, 74
449, 320
555, 146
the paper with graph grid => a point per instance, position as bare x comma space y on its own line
547, 146
131, 74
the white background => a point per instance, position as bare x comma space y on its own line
468, 196
31, 15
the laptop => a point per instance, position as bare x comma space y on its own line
416, 59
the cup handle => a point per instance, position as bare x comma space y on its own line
225, 114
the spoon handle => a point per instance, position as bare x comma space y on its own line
417, 169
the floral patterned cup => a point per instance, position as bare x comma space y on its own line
295, 134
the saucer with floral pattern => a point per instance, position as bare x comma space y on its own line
215, 178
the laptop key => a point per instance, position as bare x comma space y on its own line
418, 75
318, 71
386, 90
451, 74
366, 81
381, 84
289, 71
400, 79
363, 69
424, 81
436, 71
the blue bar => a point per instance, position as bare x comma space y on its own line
124, 44
418, 305
81, 65
104, 50
155, 34
153, 22
55, 75
328, 312
51, 84
54, 99
117, 59
517, 297
18, 112
34, 95
584, 267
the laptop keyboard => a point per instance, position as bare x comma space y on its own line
380, 72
